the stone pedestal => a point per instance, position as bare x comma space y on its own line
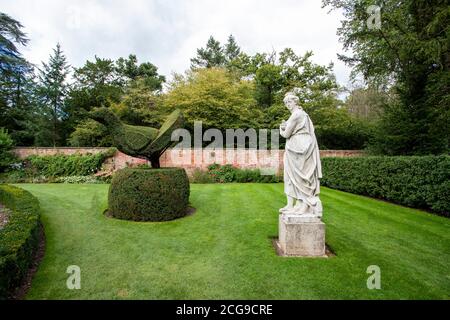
301, 235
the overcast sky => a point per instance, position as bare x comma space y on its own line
167, 32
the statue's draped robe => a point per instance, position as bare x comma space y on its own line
302, 167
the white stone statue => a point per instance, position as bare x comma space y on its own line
302, 167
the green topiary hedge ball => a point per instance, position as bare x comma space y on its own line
149, 194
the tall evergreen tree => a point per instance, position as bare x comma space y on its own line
211, 56
145, 73
11, 35
232, 50
52, 92
96, 84
16, 82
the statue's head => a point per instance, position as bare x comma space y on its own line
103, 115
291, 101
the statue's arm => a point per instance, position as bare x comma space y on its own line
291, 124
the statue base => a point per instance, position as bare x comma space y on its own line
301, 236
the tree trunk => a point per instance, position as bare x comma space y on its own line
154, 161
54, 126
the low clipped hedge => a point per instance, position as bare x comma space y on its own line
19, 238
143, 194
418, 182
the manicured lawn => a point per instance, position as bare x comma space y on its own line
224, 250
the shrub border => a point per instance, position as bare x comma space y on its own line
421, 182
19, 238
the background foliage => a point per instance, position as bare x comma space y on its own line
402, 106
225, 88
6, 145
408, 56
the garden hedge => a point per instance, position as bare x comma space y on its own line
19, 238
418, 182
143, 194
139, 141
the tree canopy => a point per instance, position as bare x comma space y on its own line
52, 89
409, 51
16, 82
211, 95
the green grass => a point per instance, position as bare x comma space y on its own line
224, 250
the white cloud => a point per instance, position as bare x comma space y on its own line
167, 33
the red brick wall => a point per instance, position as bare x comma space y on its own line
191, 159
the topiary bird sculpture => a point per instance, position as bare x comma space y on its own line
139, 141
